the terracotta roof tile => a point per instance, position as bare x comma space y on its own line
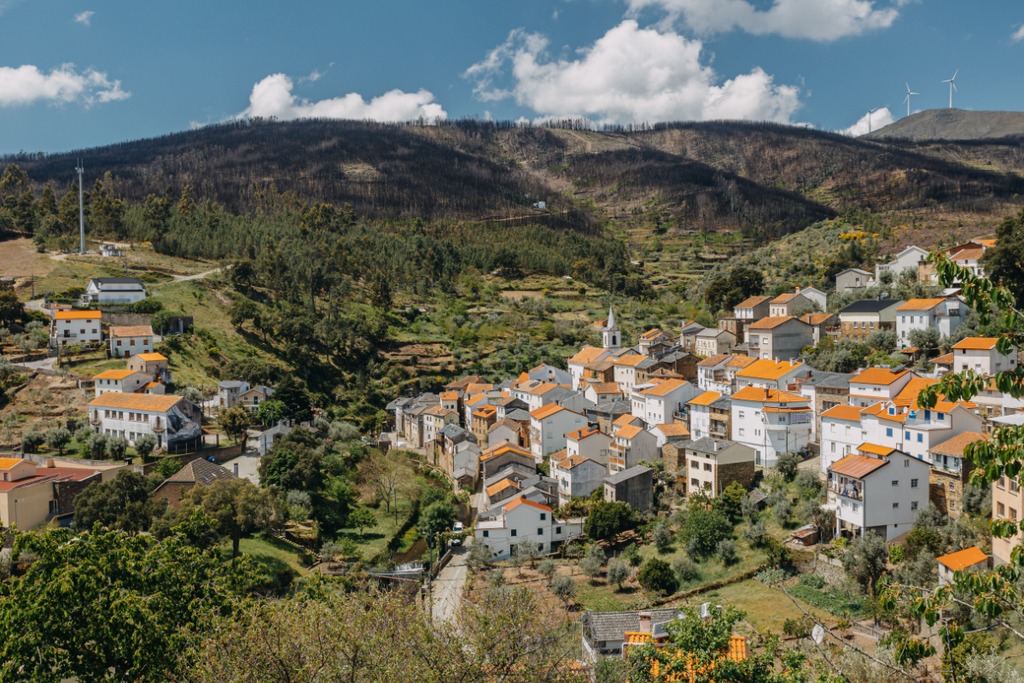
674, 429
549, 409
630, 361
588, 355
705, 399
77, 315
768, 369
151, 402
664, 387
943, 360
132, 331
977, 343
771, 323
523, 501
605, 387
876, 449
741, 362
573, 461
766, 396
857, 466
967, 557
785, 298
629, 431
843, 413
881, 376
114, 374
712, 361
956, 445
753, 302
151, 356
920, 305
501, 486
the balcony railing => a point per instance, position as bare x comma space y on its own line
845, 491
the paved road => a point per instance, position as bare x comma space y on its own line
44, 364
447, 586
183, 278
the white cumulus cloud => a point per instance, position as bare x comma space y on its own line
882, 117
273, 97
629, 75
27, 84
84, 17
1018, 35
821, 20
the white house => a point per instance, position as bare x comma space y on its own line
815, 296
518, 520
130, 340
943, 314
550, 374
872, 385
602, 393
588, 355
652, 337
779, 338
700, 414
121, 381
971, 559
841, 434
770, 421
537, 394
624, 369
718, 373
980, 354
76, 327
228, 392
787, 305
712, 342
548, 427
632, 444
911, 257
578, 477
173, 420
658, 402
877, 489
853, 279
767, 374
589, 442
114, 290
754, 308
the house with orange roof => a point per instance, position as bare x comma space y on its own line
659, 402
153, 364
608, 634
537, 394
550, 374
174, 420
877, 489
122, 381
753, 308
941, 313
483, 418
874, 385
68, 328
449, 400
820, 324
601, 393
718, 373
548, 427
771, 422
778, 338
519, 520
981, 355
630, 445
787, 305
652, 337
589, 442
625, 370
578, 477
768, 374
34, 493
971, 559
950, 472
699, 411
128, 340
841, 434
672, 432
586, 356
436, 418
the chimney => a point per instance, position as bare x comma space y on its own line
235, 468
645, 622
766, 394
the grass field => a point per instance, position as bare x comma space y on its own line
765, 607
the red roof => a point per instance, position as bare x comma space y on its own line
857, 466
522, 501
964, 558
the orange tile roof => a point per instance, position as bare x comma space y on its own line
652, 334
151, 356
485, 411
876, 449
766, 396
977, 343
9, 463
712, 361
815, 318
114, 374
857, 466
785, 298
664, 387
501, 449
753, 302
501, 486
148, 385
674, 429
843, 413
986, 243
573, 461
705, 399
881, 376
583, 433
538, 388
479, 388
880, 411
956, 445
549, 409
151, 402
522, 501
629, 431
968, 254
967, 557
630, 361
76, 315
449, 396
741, 362
132, 331
768, 369
624, 420
908, 394
943, 360
804, 409
605, 387
771, 323
920, 305
587, 355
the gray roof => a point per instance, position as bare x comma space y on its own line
647, 363
625, 475
463, 472
691, 328
452, 431
507, 471
231, 384
612, 626
118, 281
519, 415
503, 384
614, 408
829, 380
710, 332
870, 305
537, 480
707, 445
200, 472
741, 347
674, 356
281, 428
722, 404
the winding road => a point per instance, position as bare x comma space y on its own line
447, 587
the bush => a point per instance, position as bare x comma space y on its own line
497, 577
755, 533
144, 445
812, 581
564, 587
632, 555
117, 446
787, 464
618, 571
783, 511
809, 484
685, 568
794, 628
657, 576
97, 445
703, 530
547, 568
662, 537
726, 551
591, 564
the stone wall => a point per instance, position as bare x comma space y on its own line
740, 472
946, 491
823, 400
673, 454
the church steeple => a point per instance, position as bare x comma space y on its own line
611, 335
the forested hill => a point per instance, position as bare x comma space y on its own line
709, 176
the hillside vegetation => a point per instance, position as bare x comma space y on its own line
954, 124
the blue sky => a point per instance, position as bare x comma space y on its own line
80, 73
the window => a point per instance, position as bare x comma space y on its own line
1013, 514
131, 343
1001, 483
513, 532
540, 532
895, 482
695, 464
1000, 510
913, 483
741, 414
906, 435
906, 463
558, 530
913, 505
742, 431
486, 533
888, 431
833, 446
895, 506
118, 341
543, 516
941, 417
707, 467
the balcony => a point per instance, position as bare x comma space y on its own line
846, 491
95, 420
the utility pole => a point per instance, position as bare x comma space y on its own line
81, 207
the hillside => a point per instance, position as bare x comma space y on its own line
954, 124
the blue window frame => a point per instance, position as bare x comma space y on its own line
941, 417
920, 438
906, 435
888, 431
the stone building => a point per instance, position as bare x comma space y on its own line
949, 473
634, 487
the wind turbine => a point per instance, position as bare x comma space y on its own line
908, 98
870, 112
952, 87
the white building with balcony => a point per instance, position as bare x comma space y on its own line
114, 290
548, 427
771, 422
841, 434
76, 327
173, 420
630, 445
519, 520
943, 314
873, 385
769, 374
658, 401
877, 489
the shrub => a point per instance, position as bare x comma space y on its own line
591, 564
547, 569
685, 568
755, 533
497, 577
726, 551
565, 588
662, 537
117, 446
632, 555
794, 628
657, 576
618, 571
703, 530
787, 464
812, 581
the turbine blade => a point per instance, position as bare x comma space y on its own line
955, 73
954, 86
908, 86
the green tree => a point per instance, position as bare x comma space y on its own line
295, 399
730, 501
618, 572
236, 505
703, 530
144, 446
1004, 263
117, 446
122, 503
657, 576
11, 310
166, 467
137, 606
864, 561
594, 560
662, 537
564, 588
270, 413
58, 438
242, 310
96, 444
607, 520
362, 518
438, 517
32, 440
925, 339
234, 422
788, 464
378, 291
